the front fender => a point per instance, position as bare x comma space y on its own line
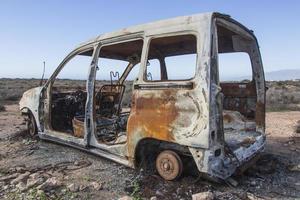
29, 103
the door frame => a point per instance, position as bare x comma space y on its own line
90, 140
48, 132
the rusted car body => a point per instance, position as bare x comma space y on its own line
219, 126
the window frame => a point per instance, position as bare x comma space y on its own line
63, 64
109, 42
150, 38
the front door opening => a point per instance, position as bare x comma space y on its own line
68, 95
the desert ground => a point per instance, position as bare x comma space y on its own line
31, 168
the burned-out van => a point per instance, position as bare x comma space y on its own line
177, 110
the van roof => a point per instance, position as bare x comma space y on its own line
203, 17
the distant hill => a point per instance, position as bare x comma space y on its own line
282, 75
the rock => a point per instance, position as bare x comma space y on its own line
232, 182
20, 169
5, 187
203, 196
73, 188
82, 187
21, 178
126, 198
21, 186
294, 168
179, 190
34, 181
253, 183
251, 196
153, 198
159, 193
50, 184
8, 177
35, 175
96, 185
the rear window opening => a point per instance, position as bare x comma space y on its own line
238, 90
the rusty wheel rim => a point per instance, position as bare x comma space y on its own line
169, 165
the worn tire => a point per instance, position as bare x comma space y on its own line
169, 165
31, 125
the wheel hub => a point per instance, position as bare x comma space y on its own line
169, 165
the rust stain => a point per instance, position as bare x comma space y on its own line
152, 117
260, 114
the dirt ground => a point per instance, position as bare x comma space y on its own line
34, 169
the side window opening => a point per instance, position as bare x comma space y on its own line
68, 93
172, 58
153, 70
188, 62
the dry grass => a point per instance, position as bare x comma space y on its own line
283, 95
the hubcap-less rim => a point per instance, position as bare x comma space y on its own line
169, 165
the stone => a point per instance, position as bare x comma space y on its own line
82, 187
153, 198
21, 178
35, 175
21, 186
5, 187
76, 163
34, 181
126, 198
73, 187
203, 196
232, 182
50, 184
251, 196
8, 177
159, 193
253, 183
294, 168
96, 185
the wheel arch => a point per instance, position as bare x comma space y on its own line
26, 111
150, 147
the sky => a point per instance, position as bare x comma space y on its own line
35, 31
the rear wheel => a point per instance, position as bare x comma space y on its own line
31, 125
169, 165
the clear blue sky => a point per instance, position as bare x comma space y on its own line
34, 31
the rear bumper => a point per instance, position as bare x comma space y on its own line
224, 166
